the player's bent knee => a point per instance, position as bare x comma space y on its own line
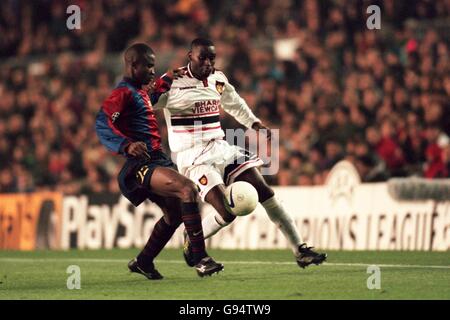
188, 191
265, 192
173, 221
253, 177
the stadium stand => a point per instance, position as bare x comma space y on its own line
379, 98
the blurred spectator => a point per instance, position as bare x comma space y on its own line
379, 98
435, 166
370, 170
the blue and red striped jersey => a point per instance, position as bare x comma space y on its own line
127, 116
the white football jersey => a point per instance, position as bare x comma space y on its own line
192, 107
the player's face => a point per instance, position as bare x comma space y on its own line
203, 59
144, 69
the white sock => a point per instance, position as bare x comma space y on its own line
212, 223
284, 222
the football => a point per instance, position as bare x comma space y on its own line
241, 197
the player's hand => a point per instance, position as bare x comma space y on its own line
137, 149
176, 73
259, 126
150, 87
171, 74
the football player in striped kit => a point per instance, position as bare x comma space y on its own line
191, 106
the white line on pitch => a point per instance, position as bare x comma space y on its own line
225, 262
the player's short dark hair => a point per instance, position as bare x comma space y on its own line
138, 49
201, 42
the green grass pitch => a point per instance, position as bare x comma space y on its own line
260, 274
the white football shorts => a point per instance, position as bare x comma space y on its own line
213, 163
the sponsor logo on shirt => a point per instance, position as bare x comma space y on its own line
115, 116
206, 106
203, 180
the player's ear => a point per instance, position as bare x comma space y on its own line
189, 55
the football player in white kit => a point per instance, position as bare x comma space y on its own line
191, 107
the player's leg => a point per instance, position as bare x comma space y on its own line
166, 225
140, 178
210, 180
163, 230
211, 186
280, 217
212, 189
213, 222
167, 182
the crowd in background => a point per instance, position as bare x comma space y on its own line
379, 98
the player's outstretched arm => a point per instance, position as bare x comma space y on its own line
234, 105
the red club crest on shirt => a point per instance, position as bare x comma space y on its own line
203, 180
220, 87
